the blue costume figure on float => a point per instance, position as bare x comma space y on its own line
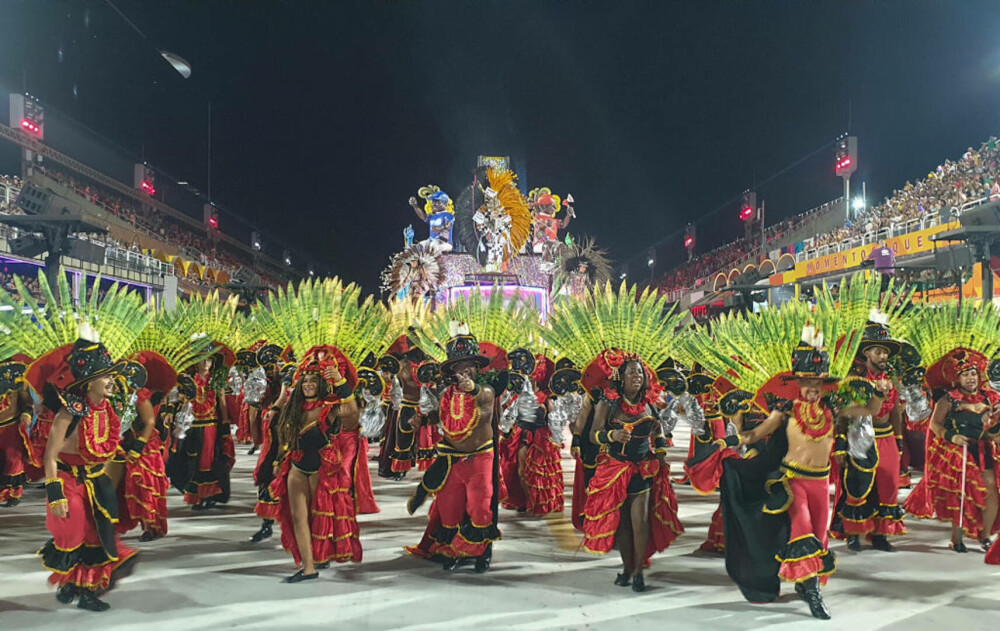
438, 212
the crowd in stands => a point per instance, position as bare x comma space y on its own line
31, 284
725, 256
976, 175
944, 191
148, 220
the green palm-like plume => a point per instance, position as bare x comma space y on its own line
581, 328
177, 338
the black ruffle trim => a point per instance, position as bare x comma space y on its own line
802, 548
891, 512
62, 561
473, 534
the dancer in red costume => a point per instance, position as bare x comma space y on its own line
868, 468
354, 455
84, 554
776, 505
630, 500
15, 424
199, 465
161, 352
318, 523
402, 360
462, 520
962, 445
532, 472
279, 390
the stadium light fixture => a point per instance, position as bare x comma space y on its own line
859, 203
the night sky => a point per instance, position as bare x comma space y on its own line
329, 115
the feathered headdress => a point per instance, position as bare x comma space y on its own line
584, 253
488, 319
938, 330
418, 269
214, 317
581, 328
171, 343
324, 313
34, 329
753, 350
504, 183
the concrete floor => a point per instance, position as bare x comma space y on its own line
205, 575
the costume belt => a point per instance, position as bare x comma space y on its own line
103, 500
437, 474
884, 432
204, 423
82, 472
793, 469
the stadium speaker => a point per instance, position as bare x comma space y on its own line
244, 276
955, 257
984, 215
28, 246
33, 200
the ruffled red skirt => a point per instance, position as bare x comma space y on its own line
354, 454
607, 493
939, 493
75, 555
15, 455
243, 433
332, 521
993, 556
145, 491
543, 475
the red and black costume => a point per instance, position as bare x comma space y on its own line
146, 484
462, 522
636, 468
631, 469
15, 442
84, 554
354, 455
200, 464
776, 511
267, 506
143, 500
939, 494
332, 522
867, 488
541, 490
332, 519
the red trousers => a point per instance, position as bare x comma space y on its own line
809, 513
13, 455
461, 517
889, 519
75, 554
468, 491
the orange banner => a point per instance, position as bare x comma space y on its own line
905, 245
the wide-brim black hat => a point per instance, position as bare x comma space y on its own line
877, 334
460, 349
88, 361
564, 380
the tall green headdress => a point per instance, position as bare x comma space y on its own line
35, 328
